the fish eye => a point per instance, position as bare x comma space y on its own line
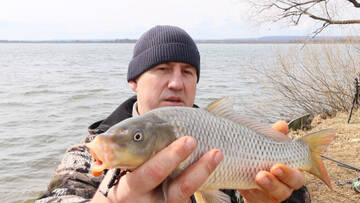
138, 135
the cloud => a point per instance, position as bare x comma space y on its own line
109, 19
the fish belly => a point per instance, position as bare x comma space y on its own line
245, 152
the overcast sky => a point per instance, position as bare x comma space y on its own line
118, 19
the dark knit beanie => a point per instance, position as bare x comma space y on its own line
163, 44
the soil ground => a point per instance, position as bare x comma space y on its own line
345, 148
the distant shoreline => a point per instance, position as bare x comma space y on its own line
101, 42
261, 40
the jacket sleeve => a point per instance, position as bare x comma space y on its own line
72, 180
298, 196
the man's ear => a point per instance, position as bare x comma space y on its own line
133, 85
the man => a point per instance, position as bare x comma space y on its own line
164, 71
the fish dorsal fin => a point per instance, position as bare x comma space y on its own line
211, 196
224, 108
221, 107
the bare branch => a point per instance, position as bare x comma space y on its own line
327, 10
294, 4
329, 21
355, 3
317, 31
315, 80
295, 10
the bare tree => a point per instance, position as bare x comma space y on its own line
327, 12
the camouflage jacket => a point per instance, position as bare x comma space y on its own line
73, 181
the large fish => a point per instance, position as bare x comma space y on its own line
248, 146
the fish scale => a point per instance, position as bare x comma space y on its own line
242, 147
248, 146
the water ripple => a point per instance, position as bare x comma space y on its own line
51, 93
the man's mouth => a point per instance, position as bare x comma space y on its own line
174, 100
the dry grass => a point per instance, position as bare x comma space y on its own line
345, 148
316, 79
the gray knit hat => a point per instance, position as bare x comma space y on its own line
163, 44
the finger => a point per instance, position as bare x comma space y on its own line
281, 126
272, 186
149, 175
192, 178
292, 177
255, 195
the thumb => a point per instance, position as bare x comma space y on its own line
281, 126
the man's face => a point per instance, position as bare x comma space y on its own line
167, 84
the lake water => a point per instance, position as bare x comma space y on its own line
51, 93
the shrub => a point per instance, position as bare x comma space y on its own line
317, 79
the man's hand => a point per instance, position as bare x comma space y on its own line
278, 184
142, 184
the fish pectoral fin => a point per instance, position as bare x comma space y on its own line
211, 196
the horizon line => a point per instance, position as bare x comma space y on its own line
209, 39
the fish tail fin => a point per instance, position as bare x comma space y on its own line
317, 143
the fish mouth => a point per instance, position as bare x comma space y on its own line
96, 147
97, 166
107, 154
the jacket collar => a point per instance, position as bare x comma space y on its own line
122, 112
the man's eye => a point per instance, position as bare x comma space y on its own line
162, 68
188, 72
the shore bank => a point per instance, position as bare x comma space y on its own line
345, 148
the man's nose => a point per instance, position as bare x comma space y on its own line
176, 81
